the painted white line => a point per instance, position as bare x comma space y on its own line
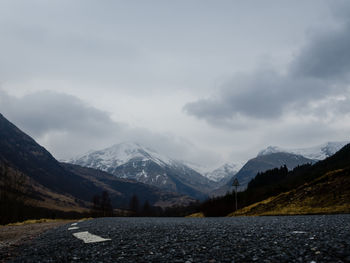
73, 228
89, 238
298, 232
74, 224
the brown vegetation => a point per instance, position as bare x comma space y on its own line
14, 235
327, 194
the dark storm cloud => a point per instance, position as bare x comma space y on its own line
320, 71
326, 56
263, 94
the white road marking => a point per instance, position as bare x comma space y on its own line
74, 224
73, 228
298, 232
89, 238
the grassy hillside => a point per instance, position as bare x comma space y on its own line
283, 183
329, 193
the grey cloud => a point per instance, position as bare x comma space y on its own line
261, 95
42, 112
320, 71
67, 126
326, 56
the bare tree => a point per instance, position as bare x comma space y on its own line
13, 194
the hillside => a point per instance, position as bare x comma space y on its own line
329, 193
262, 163
274, 184
122, 190
20, 152
30, 177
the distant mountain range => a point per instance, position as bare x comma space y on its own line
319, 152
131, 160
128, 169
265, 162
223, 174
61, 186
132, 168
274, 156
318, 189
134, 161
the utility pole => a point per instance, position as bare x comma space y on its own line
235, 184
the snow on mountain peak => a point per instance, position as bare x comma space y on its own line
271, 149
318, 152
225, 171
119, 154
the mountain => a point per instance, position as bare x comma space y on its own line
223, 174
261, 163
328, 194
319, 152
122, 190
274, 156
321, 188
110, 158
51, 184
23, 154
134, 161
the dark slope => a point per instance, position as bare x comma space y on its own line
121, 190
262, 163
177, 179
329, 193
266, 162
21, 153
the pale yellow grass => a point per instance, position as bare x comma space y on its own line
45, 220
196, 215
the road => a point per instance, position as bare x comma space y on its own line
242, 239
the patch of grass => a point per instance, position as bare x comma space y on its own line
45, 220
196, 215
328, 194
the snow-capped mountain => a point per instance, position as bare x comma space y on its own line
319, 152
119, 154
197, 167
222, 174
262, 163
134, 161
274, 157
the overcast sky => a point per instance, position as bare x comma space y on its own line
204, 81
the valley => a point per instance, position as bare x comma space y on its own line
37, 182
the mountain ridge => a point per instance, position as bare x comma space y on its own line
265, 162
135, 161
318, 152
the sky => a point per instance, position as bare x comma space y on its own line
207, 82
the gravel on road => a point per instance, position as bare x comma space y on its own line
319, 238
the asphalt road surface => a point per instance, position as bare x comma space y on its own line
242, 239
